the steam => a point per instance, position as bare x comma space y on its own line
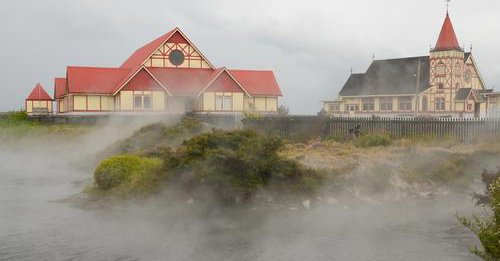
37, 172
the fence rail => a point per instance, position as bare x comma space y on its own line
398, 128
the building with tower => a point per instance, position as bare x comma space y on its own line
445, 83
167, 75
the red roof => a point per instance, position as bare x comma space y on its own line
39, 94
59, 87
183, 81
141, 54
94, 79
257, 82
447, 38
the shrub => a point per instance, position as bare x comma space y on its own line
372, 140
128, 174
487, 229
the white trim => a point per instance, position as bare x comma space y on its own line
380, 95
131, 77
217, 76
471, 57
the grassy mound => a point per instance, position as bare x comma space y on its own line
374, 140
224, 166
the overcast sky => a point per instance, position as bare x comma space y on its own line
310, 45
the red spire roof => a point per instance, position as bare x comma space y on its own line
39, 94
447, 39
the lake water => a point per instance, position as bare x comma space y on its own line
34, 225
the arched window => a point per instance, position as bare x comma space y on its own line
440, 104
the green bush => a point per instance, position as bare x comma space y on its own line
487, 229
128, 174
372, 140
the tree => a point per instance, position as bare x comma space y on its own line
283, 110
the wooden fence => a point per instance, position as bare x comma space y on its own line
398, 128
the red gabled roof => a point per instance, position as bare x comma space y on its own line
39, 94
182, 81
94, 79
141, 54
257, 82
447, 38
59, 87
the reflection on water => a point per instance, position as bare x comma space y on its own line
34, 226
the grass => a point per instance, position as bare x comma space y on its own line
17, 124
372, 140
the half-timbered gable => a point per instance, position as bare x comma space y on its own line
168, 74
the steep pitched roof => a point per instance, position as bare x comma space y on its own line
94, 79
59, 87
141, 54
447, 38
39, 94
257, 83
390, 77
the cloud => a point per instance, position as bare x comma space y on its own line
311, 45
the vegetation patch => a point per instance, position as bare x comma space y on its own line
372, 140
227, 167
487, 228
128, 175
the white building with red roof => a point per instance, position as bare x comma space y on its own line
167, 75
38, 101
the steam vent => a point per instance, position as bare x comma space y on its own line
447, 82
167, 75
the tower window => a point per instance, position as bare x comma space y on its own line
441, 69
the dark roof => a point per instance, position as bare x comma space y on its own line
479, 97
389, 77
467, 55
462, 94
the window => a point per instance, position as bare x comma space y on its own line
143, 101
405, 104
176, 57
138, 101
386, 104
352, 107
223, 102
440, 104
368, 104
147, 102
334, 107
469, 107
440, 69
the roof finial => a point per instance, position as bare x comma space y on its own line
447, 6
471, 48
373, 56
351, 70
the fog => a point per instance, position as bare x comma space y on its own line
38, 223
310, 45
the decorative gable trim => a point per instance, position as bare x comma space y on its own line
133, 75
217, 76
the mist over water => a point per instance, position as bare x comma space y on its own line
36, 174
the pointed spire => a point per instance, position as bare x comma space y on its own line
447, 38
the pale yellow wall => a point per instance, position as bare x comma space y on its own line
209, 101
93, 103
107, 103
459, 106
29, 106
79, 103
126, 100
159, 101
238, 103
272, 104
260, 103
49, 106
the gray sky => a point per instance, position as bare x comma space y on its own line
311, 45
